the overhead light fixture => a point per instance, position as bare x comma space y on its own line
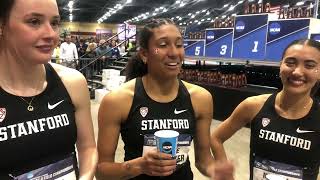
70, 4
231, 8
207, 13
226, 5
129, 1
239, 2
182, 4
300, 3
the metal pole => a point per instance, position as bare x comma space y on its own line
315, 8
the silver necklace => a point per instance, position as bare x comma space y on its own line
30, 108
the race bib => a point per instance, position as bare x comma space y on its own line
270, 170
61, 170
183, 146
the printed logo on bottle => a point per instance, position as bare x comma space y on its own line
143, 111
265, 122
3, 113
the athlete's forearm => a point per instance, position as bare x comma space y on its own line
122, 171
88, 159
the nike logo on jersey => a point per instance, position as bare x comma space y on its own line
179, 112
303, 131
54, 105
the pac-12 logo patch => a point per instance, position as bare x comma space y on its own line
3, 113
265, 122
143, 111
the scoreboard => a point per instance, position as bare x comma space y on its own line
194, 47
219, 42
249, 38
254, 37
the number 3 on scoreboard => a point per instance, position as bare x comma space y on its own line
223, 49
197, 51
255, 48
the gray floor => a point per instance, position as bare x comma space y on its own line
237, 148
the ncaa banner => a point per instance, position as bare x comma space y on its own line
219, 42
249, 40
194, 47
281, 33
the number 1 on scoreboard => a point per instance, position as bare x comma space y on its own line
255, 48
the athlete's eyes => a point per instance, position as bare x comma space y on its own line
310, 65
290, 62
34, 22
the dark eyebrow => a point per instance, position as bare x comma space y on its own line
41, 15
311, 61
165, 38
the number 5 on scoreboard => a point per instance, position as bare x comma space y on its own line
197, 51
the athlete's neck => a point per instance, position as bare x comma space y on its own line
293, 104
20, 78
161, 90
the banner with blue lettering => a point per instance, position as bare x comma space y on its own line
315, 37
219, 42
281, 33
194, 47
250, 34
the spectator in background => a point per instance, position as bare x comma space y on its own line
55, 58
129, 46
115, 53
104, 53
92, 44
82, 47
68, 53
